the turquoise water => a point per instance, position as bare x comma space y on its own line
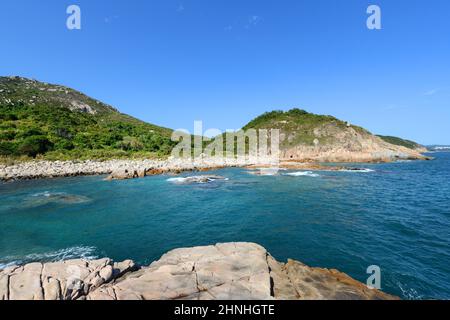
396, 217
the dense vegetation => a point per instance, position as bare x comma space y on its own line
39, 120
401, 142
54, 122
300, 125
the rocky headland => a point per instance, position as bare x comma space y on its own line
226, 271
308, 137
46, 121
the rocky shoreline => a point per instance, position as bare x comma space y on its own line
227, 271
129, 169
119, 169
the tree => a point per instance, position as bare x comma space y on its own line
7, 148
34, 145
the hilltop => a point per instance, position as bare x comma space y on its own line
306, 136
56, 122
404, 142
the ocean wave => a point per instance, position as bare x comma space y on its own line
302, 174
357, 170
196, 179
78, 252
176, 180
409, 293
266, 171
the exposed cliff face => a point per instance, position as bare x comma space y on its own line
348, 145
226, 271
310, 137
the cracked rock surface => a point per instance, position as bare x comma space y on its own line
226, 271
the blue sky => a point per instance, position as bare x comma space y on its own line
226, 61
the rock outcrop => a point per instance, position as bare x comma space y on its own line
226, 271
65, 280
309, 137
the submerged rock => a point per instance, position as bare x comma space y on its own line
41, 199
226, 271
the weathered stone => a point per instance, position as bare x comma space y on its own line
52, 289
225, 271
120, 268
324, 284
25, 283
282, 287
106, 273
4, 287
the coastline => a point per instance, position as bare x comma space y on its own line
225, 271
128, 169
118, 169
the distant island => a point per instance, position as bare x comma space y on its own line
438, 148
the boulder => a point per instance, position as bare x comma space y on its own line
225, 271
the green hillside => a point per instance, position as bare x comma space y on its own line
401, 142
301, 127
55, 122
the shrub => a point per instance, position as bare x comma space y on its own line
34, 145
8, 116
7, 135
29, 133
130, 144
7, 148
63, 144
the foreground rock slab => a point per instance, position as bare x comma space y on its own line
227, 271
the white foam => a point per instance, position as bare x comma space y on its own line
302, 174
196, 179
409, 293
266, 171
78, 252
43, 194
177, 180
362, 170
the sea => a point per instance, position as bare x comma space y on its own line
395, 216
